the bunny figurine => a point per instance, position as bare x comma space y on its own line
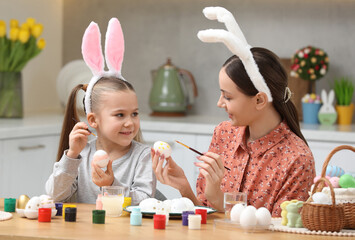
327, 114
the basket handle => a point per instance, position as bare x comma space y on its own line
321, 180
330, 155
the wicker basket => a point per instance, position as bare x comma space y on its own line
349, 208
323, 217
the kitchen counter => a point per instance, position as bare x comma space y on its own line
51, 123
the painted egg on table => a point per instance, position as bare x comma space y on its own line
334, 171
236, 211
347, 181
263, 216
22, 201
162, 148
33, 204
101, 158
248, 217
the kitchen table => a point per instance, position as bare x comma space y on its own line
19, 228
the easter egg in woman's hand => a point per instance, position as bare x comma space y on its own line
100, 158
162, 148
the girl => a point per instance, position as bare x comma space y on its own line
262, 144
112, 109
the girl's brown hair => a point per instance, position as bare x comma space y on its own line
105, 84
276, 79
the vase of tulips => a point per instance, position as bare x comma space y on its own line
18, 45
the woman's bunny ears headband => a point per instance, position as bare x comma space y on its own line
92, 54
235, 42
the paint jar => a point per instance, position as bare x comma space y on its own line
59, 207
136, 217
9, 204
203, 213
70, 214
98, 216
159, 221
185, 217
44, 214
194, 221
67, 206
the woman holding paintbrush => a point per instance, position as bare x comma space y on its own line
261, 144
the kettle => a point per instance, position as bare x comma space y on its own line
173, 91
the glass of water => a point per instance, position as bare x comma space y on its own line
231, 199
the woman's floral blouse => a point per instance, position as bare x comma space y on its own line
271, 169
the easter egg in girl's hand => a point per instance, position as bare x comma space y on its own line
347, 181
162, 148
100, 158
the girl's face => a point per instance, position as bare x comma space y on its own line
240, 107
118, 120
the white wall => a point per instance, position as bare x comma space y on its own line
39, 75
157, 29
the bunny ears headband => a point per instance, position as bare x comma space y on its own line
235, 41
92, 54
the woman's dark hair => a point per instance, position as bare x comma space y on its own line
105, 84
276, 79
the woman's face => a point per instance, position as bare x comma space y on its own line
118, 120
240, 107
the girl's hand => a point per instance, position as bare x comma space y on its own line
101, 178
170, 174
78, 138
212, 169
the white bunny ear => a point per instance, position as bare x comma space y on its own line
235, 41
324, 97
114, 47
91, 49
331, 97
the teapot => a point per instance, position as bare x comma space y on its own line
173, 91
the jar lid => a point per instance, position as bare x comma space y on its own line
98, 212
160, 217
136, 210
70, 210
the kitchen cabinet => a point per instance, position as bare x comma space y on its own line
26, 164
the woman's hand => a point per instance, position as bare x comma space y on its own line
212, 169
100, 177
170, 174
78, 138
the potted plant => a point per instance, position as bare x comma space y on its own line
344, 89
310, 64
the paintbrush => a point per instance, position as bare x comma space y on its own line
194, 150
86, 129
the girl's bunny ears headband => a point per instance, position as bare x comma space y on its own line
235, 42
92, 54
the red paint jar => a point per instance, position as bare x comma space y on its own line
159, 221
44, 214
203, 213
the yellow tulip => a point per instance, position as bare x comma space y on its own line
41, 43
37, 30
2, 30
24, 35
13, 23
14, 33
31, 22
25, 26
2, 22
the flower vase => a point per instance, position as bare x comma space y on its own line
345, 114
310, 112
11, 95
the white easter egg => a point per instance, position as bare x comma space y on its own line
162, 148
321, 198
100, 158
248, 217
148, 205
178, 205
236, 211
189, 205
34, 203
46, 202
263, 216
251, 208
